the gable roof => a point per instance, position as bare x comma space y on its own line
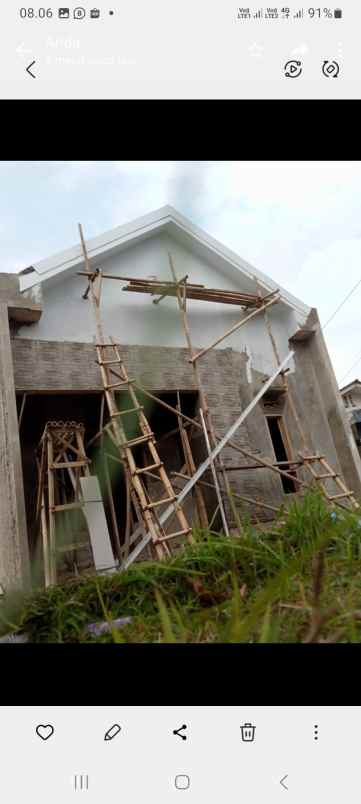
166, 219
350, 386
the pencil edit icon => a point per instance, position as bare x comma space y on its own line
112, 732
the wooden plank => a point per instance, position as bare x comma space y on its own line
97, 524
68, 464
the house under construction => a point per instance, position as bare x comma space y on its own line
151, 381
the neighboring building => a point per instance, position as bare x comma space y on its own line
47, 353
351, 395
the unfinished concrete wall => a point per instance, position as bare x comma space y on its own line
14, 552
325, 415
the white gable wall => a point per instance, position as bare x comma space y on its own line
132, 318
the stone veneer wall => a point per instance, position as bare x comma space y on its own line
45, 366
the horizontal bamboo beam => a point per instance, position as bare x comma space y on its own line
259, 466
133, 279
235, 494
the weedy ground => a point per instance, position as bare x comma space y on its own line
299, 582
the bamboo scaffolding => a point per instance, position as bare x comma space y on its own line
183, 290
140, 498
191, 469
262, 462
52, 531
214, 474
235, 327
241, 466
252, 500
205, 465
22, 409
182, 305
284, 377
198, 292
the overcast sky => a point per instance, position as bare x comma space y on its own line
299, 222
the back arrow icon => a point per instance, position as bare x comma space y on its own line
282, 782
28, 69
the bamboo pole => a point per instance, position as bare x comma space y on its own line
233, 329
258, 466
202, 468
191, 468
182, 302
267, 464
261, 461
45, 540
51, 497
214, 474
116, 426
162, 473
128, 522
242, 497
22, 409
108, 483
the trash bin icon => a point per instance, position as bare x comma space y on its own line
248, 733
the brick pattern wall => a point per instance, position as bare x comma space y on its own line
53, 366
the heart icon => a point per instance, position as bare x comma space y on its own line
45, 732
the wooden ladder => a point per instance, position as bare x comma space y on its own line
328, 474
115, 379
61, 450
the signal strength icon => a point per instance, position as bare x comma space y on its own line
299, 14
258, 15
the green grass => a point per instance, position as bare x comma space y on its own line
299, 582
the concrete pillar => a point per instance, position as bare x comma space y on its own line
347, 451
316, 379
14, 549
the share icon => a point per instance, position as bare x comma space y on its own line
177, 732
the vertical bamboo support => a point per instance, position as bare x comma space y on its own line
215, 479
128, 524
45, 540
191, 469
112, 508
51, 497
109, 484
199, 385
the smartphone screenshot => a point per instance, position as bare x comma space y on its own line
190, 50
180, 404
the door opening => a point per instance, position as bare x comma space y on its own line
282, 452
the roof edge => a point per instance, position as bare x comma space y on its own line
141, 227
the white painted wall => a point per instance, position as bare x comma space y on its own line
132, 318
